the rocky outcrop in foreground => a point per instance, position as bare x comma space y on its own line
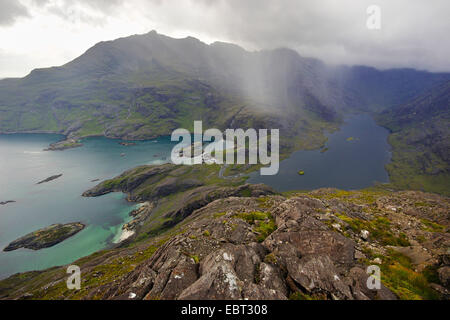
251, 252
307, 246
46, 237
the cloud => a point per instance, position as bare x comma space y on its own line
10, 10
335, 31
94, 12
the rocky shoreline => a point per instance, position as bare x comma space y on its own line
46, 237
130, 229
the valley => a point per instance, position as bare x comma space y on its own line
364, 177
145, 86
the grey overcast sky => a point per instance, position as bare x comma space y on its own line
414, 33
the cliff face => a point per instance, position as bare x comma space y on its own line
421, 141
313, 245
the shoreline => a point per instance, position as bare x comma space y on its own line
66, 137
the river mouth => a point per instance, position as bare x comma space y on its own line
23, 163
354, 157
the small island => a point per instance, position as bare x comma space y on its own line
46, 237
64, 145
301, 173
50, 179
6, 202
127, 144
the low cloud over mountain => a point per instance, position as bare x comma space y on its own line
410, 36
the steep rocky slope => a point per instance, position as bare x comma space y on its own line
147, 85
421, 141
261, 245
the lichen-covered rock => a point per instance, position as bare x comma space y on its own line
317, 274
358, 283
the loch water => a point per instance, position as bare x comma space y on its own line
23, 163
354, 157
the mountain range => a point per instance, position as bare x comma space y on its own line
144, 86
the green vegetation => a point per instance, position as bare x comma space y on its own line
252, 217
113, 183
219, 214
301, 172
406, 170
246, 193
264, 202
379, 229
419, 140
432, 226
195, 258
206, 233
263, 222
265, 229
397, 273
270, 258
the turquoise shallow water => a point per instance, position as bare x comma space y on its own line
23, 163
354, 164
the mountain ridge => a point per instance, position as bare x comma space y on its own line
420, 137
144, 86
274, 79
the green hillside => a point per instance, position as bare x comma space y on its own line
421, 141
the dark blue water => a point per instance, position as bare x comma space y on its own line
356, 158
23, 163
